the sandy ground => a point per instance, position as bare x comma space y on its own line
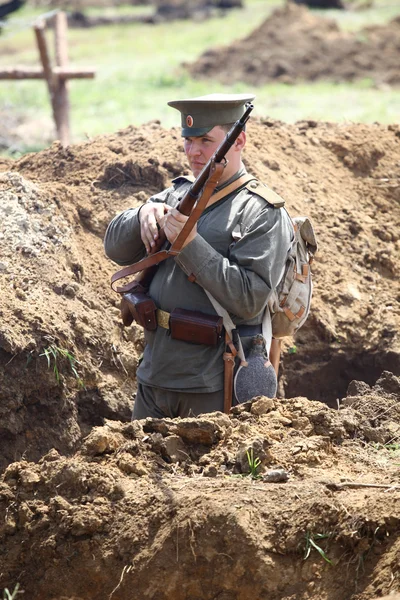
94, 507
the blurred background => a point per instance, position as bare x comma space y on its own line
330, 60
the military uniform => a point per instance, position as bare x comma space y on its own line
238, 256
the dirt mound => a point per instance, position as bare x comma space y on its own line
89, 520
63, 353
293, 44
65, 361
125, 512
192, 9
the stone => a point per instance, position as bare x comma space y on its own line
262, 406
175, 449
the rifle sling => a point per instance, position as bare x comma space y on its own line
199, 208
207, 199
238, 183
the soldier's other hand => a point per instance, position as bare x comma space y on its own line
173, 224
151, 217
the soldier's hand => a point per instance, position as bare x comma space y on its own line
173, 224
151, 217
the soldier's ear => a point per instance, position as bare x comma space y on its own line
240, 142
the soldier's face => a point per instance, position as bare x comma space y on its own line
199, 150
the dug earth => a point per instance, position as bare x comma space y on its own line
291, 498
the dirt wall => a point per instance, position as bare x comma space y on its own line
56, 298
93, 506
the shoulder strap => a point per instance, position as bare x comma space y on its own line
256, 187
228, 323
235, 185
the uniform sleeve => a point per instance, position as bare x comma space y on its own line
243, 281
122, 241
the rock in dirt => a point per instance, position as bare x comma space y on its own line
276, 476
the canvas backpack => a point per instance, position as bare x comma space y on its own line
289, 303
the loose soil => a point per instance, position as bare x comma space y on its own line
294, 45
95, 507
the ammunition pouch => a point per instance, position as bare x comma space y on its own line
186, 325
195, 327
137, 305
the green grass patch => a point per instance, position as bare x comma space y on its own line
378, 12
391, 447
139, 69
313, 543
7, 595
55, 356
254, 463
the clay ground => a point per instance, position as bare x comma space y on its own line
94, 507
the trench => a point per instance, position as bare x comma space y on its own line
324, 373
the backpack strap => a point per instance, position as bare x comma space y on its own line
256, 187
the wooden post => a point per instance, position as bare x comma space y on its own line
61, 100
45, 60
38, 73
56, 77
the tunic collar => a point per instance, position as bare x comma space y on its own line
239, 173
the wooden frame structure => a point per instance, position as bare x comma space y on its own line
56, 76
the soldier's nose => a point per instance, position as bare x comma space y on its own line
194, 150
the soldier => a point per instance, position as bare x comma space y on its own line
236, 253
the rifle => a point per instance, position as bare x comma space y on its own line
136, 304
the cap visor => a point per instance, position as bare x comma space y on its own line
195, 131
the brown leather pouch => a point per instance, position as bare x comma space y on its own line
138, 306
195, 327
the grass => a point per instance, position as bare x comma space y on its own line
379, 13
392, 447
54, 355
254, 463
7, 595
140, 67
311, 544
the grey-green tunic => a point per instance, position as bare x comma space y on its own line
238, 256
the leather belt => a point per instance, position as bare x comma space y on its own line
249, 330
243, 330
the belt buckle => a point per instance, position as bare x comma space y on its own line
163, 318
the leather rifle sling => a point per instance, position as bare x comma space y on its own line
155, 259
197, 211
206, 200
216, 172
